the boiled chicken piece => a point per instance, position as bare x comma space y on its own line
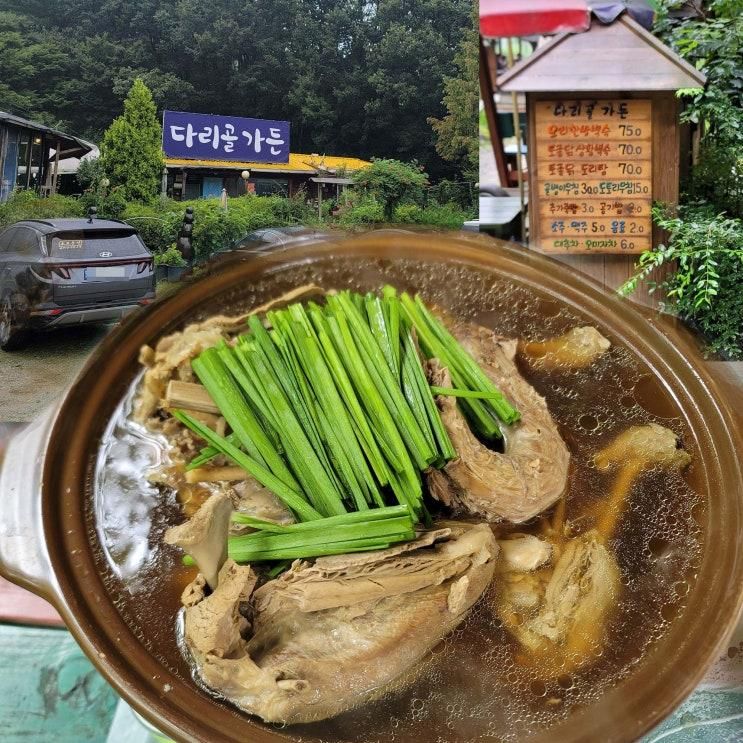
558, 612
204, 536
331, 634
576, 349
523, 553
531, 473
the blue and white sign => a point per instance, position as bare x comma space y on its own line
206, 137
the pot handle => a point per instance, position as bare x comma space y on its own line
24, 558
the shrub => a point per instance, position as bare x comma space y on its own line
461, 193
449, 216
718, 176
706, 238
408, 214
170, 257
705, 287
366, 211
214, 227
29, 205
109, 204
89, 172
392, 183
158, 223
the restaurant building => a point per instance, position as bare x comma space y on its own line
195, 179
30, 155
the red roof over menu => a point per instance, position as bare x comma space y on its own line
518, 18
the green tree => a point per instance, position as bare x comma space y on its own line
457, 137
357, 77
705, 234
131, 152
392, 183
713, 43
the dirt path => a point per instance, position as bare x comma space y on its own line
32, 379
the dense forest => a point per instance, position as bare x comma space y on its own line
353, 76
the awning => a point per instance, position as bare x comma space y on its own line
334, 181
504, 18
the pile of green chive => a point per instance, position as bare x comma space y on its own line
329, 407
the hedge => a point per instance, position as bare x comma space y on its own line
28, 205
158, 223
214, 227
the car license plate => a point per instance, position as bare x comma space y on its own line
70, 244
105, 272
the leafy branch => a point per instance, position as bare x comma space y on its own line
698, 241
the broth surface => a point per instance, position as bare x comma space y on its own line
472, 686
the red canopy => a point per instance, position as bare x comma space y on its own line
506, 18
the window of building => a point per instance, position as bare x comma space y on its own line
37, 144
24, 152
10, 165
271, 186
193, 188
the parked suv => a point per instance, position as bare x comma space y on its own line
58, 272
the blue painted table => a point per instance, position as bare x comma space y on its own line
50, 693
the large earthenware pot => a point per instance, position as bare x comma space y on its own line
50, 543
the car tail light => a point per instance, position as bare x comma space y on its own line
61, 271
142, 266
46, 271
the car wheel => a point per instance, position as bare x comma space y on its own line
13, 330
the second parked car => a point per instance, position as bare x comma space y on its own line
60, 272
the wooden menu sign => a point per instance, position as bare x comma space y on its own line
593, 188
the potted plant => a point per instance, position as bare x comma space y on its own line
170, 264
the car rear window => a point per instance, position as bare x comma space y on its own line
93, 244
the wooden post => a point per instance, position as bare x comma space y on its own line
517, 134
487, 88
319, 201
55, 174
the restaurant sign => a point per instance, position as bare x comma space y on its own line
593, 175
192, 136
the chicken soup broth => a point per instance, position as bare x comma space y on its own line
483, 681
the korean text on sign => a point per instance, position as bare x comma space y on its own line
593, 182
207, 137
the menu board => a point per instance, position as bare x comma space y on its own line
593, 189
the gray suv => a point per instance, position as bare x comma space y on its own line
58, 272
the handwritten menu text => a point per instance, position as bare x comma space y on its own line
594, 175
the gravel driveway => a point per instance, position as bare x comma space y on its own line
33, 378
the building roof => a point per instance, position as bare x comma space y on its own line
298, 163
620, 56
71, 146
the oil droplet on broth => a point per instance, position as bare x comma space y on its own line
477, 683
